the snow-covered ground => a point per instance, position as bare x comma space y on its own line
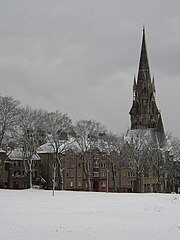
36, 215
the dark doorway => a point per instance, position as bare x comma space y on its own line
95, 186
16, 185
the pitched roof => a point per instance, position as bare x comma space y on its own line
17, 155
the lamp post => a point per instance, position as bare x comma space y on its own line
54, 179
107, 187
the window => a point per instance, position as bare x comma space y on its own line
131, 174
96, 174
103, 174
17, 173
15, 164
79, 184
96, 164
146, 174
130, 183
103, 183
103, 165
69, 184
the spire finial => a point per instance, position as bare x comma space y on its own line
143, 28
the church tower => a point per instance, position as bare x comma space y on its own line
144, 112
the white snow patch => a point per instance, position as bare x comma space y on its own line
35, 214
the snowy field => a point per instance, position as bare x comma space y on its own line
36, 215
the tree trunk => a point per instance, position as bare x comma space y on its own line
87, 173
61, 185
114, 178
138, 183
30, 175
60, 178
54, 179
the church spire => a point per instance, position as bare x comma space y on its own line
144, 112
144, 77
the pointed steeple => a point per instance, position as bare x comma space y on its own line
144, 112
144, 77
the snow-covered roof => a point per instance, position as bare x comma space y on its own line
147, 132
2, 151
45, 148
17, 155
71, 144
63, 146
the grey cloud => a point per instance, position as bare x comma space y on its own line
80, 56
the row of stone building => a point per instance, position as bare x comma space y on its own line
14, 174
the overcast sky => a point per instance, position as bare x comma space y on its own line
80, 56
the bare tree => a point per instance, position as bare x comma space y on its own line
57, 127
31, 122
165, 160
175, 153
145, 155
135, 154
112, 149
157, 161
87, 136
9, 115
174, 146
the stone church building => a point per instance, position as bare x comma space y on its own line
144, 111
